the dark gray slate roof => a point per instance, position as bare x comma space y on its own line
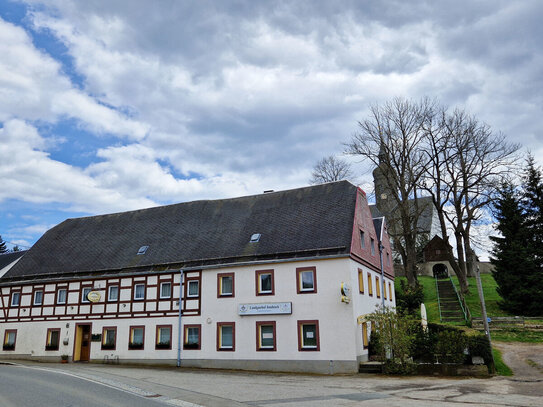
296, 222
7, 258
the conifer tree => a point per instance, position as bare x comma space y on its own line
3, 247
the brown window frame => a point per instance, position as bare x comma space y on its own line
160, 347
48, 347
370, 285
299, 271
258, 273
220, 276
259, 325
361, 281
6, 332
219, 331
185, 336
300, 324
109, 347
130, 345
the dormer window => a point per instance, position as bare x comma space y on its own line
142, 250
255, 237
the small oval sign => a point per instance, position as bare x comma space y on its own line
94, 296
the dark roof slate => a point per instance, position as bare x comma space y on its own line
305, 219
7, 258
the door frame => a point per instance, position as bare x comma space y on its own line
77, 325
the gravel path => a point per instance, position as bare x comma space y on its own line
525, 359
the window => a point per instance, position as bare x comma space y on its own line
226, 332
306, 280
61, 296
163, 337
38, 297
360, 281
109, 338
390, 290
193, 288
113, 293
136, 339
372, 244
362, 240
139, 291
264, 282
15, 299
370, 287
377, 287
265, 336
308, 336
10, 336
384, 290
165, 290
192, 337
53, 339
365, 335
388, 258
85, 293
225, 285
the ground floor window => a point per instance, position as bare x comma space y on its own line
265, 336
365, 335
226, 336
10, 336
377, 287
53, 339
390, 290
136, 340
164, 337
192, 338
109, 338
308, 335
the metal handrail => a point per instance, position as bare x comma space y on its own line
459, 300
438, 300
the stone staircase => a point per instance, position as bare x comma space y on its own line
451, 310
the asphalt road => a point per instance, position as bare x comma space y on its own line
28, 387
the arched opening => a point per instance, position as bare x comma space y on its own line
440, 270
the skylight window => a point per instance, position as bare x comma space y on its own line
142, 250
255, 237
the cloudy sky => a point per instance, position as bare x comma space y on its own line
111, 106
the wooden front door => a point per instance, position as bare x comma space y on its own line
82, 342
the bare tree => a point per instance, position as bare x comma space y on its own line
468, 163
392, 139
330, 169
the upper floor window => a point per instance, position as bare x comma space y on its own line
38, 297
370, 286
377, 287
225, 285
113, 293
165, 290
61, 296
362, 239
372, 244
15, 299
193, 288
360, 281
264, 282
85, 294
139, 291
306, 280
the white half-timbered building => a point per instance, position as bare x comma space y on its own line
276, 281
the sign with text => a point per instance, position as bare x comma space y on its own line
267, 308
